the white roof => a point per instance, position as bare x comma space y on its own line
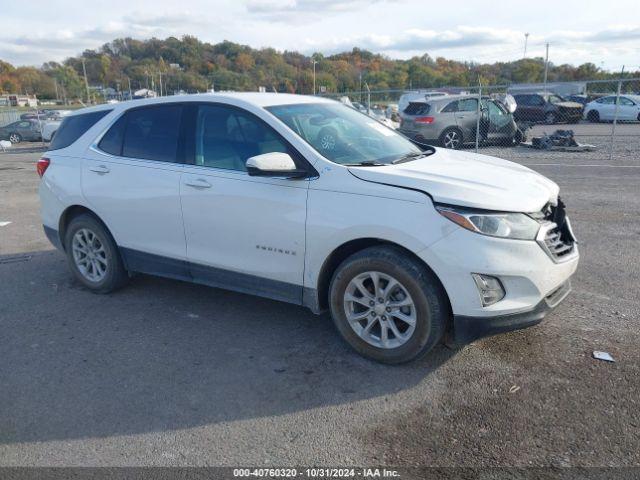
260, 99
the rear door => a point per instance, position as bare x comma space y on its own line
467, 117
131, 178
606, 106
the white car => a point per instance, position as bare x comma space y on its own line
49, 129
604, 109
405, 246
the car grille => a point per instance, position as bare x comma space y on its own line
557, 237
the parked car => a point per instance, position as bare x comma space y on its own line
548, 108
49, 129
451, 121
22, 130
604, 109
33, 115
402, 244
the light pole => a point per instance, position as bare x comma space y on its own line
526, 38
546, 67
314, 76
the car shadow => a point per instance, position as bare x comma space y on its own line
165, 355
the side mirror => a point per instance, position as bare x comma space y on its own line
274, 164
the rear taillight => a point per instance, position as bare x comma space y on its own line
42, 165
424, 120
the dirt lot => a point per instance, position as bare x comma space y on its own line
167, 373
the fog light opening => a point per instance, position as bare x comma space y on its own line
490, 289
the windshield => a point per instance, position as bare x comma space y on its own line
344, 135
555, 99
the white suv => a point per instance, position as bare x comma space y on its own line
304, 200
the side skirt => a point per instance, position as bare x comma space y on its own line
158, 265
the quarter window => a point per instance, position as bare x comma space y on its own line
151, 133
73, 127
226, 138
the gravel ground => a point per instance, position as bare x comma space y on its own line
168, 373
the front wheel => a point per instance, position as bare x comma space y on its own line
388, 306
550, 118
15, 138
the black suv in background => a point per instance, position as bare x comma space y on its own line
547, 108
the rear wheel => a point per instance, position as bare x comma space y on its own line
451, 138
93, 256
15, 137
594, 116
387, 306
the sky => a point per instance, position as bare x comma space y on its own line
604, 33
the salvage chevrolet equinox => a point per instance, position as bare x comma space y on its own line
308, 201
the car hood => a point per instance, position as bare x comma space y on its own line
469, 180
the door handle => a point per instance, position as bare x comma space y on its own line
102, 169
198, 183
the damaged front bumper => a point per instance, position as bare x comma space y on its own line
467, 328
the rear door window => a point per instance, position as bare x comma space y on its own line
74, 127
152, 133
468, 105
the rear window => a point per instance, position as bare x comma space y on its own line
74, 127
417, 108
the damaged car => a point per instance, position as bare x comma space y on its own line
451, 121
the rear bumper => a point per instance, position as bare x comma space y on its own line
52, 235
467, 329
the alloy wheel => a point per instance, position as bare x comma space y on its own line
14, 138
452, 139
380, 310
89, 255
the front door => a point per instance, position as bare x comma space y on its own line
243, 232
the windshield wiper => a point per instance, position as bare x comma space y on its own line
366, 163
410, 156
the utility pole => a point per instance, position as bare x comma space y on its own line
478, 112
55, 83
160, 81
615, 114
86, 83
546, 68
129, 82
526, 39
314, 76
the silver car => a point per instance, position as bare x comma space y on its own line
451, 121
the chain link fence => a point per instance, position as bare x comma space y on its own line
598, 119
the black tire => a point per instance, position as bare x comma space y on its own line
328, 139
430, 300
115, 275
15, 137
519, 137
593, 116
451, 138
550, 118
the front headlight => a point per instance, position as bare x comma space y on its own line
518, 226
